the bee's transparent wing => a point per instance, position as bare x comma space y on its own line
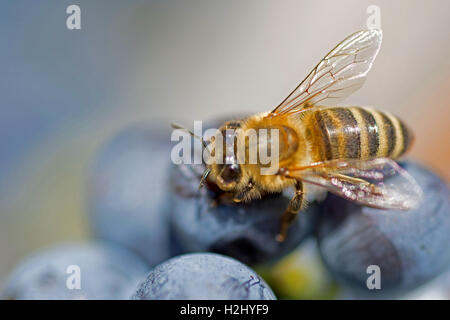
379, 183
341, 72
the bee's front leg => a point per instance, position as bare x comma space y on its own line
245, 194
291, 212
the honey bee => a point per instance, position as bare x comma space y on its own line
348, 151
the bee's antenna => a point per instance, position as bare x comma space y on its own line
176, 126
204, 177
205, 147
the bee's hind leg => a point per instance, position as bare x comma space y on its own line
291, 212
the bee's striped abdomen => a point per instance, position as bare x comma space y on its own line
358, 133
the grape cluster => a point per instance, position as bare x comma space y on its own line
156, 236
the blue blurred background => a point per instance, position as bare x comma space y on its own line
64, 92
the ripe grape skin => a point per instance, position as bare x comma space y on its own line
128, 191
410, 247
203, 276
105, 272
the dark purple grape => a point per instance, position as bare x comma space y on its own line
245, 231
203, 276
409, 247
128, 191
76, 271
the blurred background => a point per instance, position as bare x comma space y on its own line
64, 92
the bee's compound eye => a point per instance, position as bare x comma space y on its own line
231, 173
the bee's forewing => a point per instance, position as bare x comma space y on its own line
342, 71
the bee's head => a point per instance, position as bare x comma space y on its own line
227, 170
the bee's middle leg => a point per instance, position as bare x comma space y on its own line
230, 197
291, 212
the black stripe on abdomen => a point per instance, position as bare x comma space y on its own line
323, 122
407, 138
390, 137
372, 131
348, 133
